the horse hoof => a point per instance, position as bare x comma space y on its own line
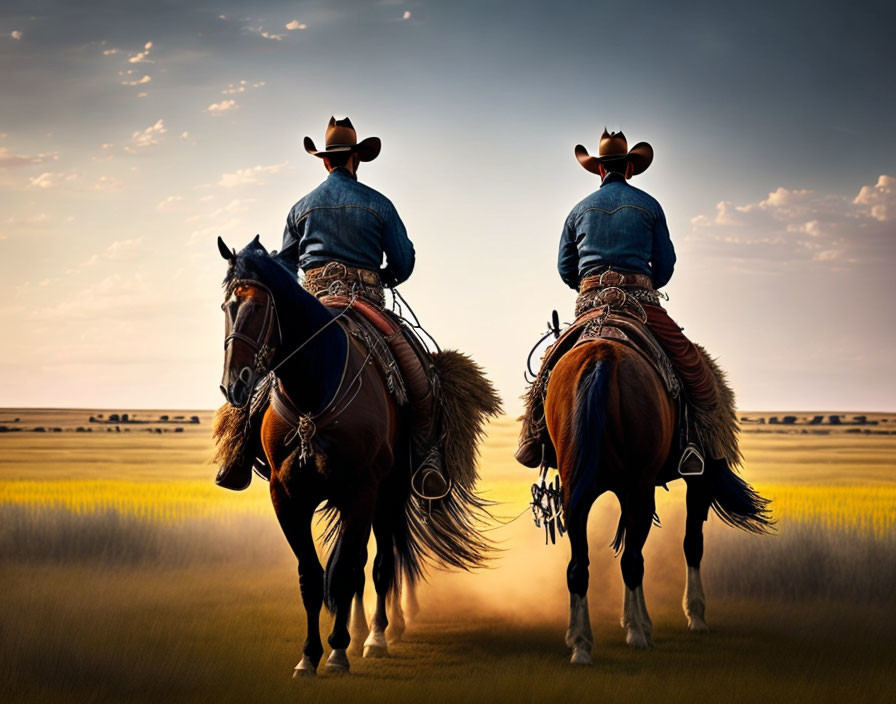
697, 626
304, 669
637, 640
337, 663
581, 656
376, 651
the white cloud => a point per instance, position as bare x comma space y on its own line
295, 24
107, 183
141, 57
252, 176
52, 179
241, 87
406, 15
799, 225
141, 139
169, 204
16, 34
142, 95
110, 52
137, 82
265, 34
223, 106
8, 159
184, 135
37, 220
881, 198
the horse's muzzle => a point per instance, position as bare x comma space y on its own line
239, 391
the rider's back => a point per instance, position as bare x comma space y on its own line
620, 226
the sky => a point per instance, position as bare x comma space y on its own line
133, 134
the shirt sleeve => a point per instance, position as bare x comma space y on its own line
568, 257
291, 237
398, 248
662, 261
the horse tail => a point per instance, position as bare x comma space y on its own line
736, 502
589, 424
448, 531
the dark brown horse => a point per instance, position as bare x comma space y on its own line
343, 442
613, 426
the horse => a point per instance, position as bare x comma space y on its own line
342, 441
613, 426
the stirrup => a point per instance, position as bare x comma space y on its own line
429, 466
691, 463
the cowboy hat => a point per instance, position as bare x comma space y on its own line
341, 138
613, 147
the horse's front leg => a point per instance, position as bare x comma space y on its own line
295, 520
342, 577
578, 635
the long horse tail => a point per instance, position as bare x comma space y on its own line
736, 502
590, 421
448, 531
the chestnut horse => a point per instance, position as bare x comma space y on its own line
350, 451
613, 426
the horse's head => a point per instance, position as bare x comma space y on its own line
252, 325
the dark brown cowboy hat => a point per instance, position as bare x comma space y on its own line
613, 147
341, 138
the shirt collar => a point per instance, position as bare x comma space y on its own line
612, 177
342, 171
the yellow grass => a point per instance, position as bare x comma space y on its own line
129, 576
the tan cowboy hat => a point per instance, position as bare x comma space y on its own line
341, 138
614, 147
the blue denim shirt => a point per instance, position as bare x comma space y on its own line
345, 221
620, 226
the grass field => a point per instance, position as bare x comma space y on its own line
128, 576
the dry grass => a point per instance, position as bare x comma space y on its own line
128, 576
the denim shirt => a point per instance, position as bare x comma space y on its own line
620, 226
345, 221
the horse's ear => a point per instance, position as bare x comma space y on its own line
225, 250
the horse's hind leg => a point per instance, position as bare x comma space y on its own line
396, 612
637, 516
383, 581
342, 578
358, 622
694, 602
295, 520
578, 635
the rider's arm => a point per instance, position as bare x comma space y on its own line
291, 236
568, 258
662, 261
398, 248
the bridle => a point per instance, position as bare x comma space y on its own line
261, 346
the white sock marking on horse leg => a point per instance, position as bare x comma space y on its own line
632, 622
375, 645
578, 635
694, 602
646, 623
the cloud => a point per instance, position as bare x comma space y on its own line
10, 160
261, 32
110, 52
118, 251
16, 34
241, 87
169, 204
141, 57
52, 179
793, 226
38, 220
295, 24
137, 82
406, 15
253, 176
223, 106
142, 139
880, 198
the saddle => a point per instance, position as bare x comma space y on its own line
613, 321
